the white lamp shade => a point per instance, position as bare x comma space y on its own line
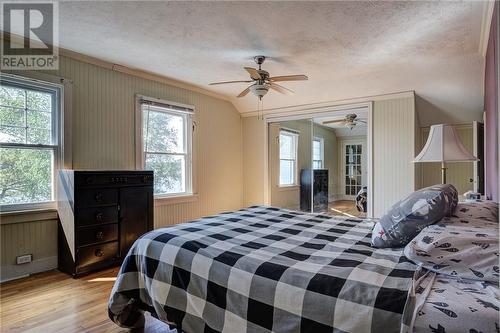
444, 145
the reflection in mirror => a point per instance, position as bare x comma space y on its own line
289, 158
340, 163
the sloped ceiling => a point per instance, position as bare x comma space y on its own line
348, 49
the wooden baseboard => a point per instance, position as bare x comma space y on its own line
12, 272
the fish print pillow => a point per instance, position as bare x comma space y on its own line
481, 210
464, 251
409, 216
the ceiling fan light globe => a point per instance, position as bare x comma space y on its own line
259, 90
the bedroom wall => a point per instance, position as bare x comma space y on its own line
458, 174
103, 138
393, 151
331, 157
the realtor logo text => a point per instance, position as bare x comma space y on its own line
30, 36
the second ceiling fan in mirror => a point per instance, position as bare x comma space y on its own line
349, 121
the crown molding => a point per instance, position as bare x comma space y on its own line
485, 26
124, 69
326, 106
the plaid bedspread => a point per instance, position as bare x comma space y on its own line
263, 269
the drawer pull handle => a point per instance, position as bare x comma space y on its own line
99, 235
98, 197
99, 253
99, 216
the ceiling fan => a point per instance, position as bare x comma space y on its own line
262, 81
350, 121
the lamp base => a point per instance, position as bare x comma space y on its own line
443, 173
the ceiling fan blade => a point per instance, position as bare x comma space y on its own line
244, 92
225, 82
281, 89
361, 121
254, 74
333, 121
288, 78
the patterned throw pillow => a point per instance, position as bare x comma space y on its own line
409, 216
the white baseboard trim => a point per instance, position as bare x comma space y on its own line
12, 272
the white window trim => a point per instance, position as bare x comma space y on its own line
321, 151
171, 198
295, 135
58, 85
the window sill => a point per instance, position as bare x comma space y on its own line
31, 215
163, 201
288, 188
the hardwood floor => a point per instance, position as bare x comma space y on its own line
344, 208
55, 302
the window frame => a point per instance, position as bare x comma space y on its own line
295, 138
189, 130
321, 152
57, 135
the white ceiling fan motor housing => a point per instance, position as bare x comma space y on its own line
259, 90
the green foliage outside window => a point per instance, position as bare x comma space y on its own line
26, 118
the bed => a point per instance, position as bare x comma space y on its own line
266, 269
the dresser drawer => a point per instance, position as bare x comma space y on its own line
89, 255
97, 197
97, 215
98, 234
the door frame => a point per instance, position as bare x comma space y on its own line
318, 112
342, 165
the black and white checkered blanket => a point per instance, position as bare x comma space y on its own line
264, 269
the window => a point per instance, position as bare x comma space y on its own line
167, 145
318, 153
29, 142
288, 157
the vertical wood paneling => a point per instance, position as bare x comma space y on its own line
38, 238
393, 152
103, 138
457, 174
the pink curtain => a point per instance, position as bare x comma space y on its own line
491, 107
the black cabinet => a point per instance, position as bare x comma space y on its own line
319, 188
101, 214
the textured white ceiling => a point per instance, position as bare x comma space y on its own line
348, 49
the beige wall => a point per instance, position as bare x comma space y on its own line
103, 138
254, 160
457, 174
331, 156
393, 151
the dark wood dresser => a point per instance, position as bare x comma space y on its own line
101, 214
319, 187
